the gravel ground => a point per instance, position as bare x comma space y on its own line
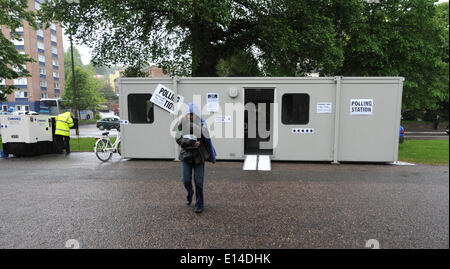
46, 200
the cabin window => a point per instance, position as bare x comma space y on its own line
295, 108
140, 109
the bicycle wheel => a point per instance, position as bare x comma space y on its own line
103, 150
119, 148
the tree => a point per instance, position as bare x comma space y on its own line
190, 37
88, 90
12, 63
242, 64
108, 93
401, 38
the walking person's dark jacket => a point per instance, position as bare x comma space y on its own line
190, 132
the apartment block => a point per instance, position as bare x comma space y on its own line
47, 73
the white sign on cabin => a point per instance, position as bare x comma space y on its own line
324, 108
164, 98
212, 102
361, 106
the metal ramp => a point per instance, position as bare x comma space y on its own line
257, 162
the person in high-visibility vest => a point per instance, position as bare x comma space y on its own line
62, 131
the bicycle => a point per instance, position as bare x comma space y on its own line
104, 149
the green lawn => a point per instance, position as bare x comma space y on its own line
82, 144
424, 151
81, 122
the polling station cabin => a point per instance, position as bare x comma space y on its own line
336, 119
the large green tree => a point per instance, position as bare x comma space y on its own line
401, 38
191, 37
88, 88
12, 63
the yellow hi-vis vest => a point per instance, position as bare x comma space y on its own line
63, 123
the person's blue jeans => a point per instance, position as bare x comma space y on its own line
199, 171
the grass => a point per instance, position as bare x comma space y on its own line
81, 122
82, 144
424, 151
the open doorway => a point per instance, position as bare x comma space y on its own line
261, 118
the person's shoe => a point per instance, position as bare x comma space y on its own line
198, 210
188, 202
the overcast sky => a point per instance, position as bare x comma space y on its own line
86, 52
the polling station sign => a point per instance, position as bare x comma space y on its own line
164, 98
361, 106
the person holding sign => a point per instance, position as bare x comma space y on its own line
196, 148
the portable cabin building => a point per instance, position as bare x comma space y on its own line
336, 119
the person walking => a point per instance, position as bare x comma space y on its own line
436, 121
62, 131
196, 148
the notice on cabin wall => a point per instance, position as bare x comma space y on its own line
324, 108
226, 118
164, 98
212, 102
361, 106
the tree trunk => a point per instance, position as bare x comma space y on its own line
204, 55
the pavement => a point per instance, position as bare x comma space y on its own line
47, 200
91, 130
426, 135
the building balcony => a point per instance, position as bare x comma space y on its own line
20, 47
54, 43
55, 55
21, 99
21, 86
41, 51
40, 37
57, 90
55, 67
55, 79
43, 88
42, 76
53, 31
41, 63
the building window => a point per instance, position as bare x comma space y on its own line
140, 109
54, 50
20, 81
53, 38
4, 108
42, 71
20, 29
2, 81
56, 74
40, 33
56, 85
20, 94
18, 42
37, 5
44, 95
43, 83
40, 45
295, 108
53, 27
55, 62
41, 58
57, 96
